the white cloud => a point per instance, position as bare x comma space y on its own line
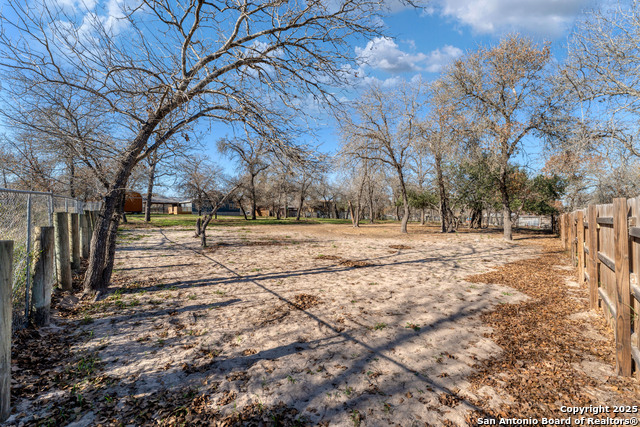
384, 54
543, 17
87, 17
439, 58
115, 19
386, 83
75, 5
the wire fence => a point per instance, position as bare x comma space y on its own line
20, 212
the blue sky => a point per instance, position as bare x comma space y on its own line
421, 42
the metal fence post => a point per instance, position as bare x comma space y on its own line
50, 207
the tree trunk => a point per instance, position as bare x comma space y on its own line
506, 207
300, 205
203, 228
103, 242
244, 213
286, 208
422, 215
445, 217
355, 215
198, 226
253, 197
371, 210
476, 218
278, 205
121, 210
97, 276
153, 159
405, 218
507, 226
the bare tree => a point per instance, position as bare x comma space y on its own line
307, 168
241, 61
200, 179
354, 190
382, 128
252, 153
604, 65
157, 164
505, 87
442, 133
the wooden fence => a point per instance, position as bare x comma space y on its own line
54, 251
604, 244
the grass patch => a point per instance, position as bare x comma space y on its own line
186, 220
380, 326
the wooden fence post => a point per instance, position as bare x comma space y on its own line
85, 237
61, 225
6, 282
580, 245
565, 227
572, 238
594, 277
623, 292
43, 274
74, 240
634, 205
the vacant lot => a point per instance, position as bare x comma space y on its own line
311, 324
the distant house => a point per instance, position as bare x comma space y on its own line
192, 206
165, 205
132, 202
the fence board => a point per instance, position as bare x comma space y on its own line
607, 255
623, 300
607, 275
607, 262
606, 220
594, 278
580, 245
572, 237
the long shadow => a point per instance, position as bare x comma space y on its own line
170, 311
237, 278
378, 351
338, 336
235, 243
154, 267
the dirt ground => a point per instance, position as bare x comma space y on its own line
301, 324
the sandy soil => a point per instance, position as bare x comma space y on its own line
341, 324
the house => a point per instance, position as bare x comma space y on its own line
204, 207
132, 202
164, 205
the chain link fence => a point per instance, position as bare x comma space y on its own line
20, 213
